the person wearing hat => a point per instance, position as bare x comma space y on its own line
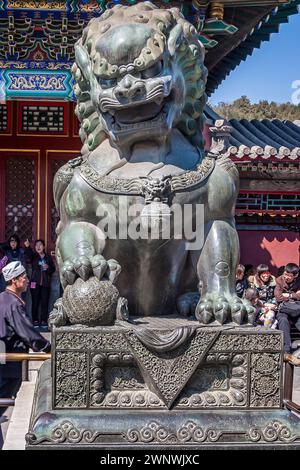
17, 332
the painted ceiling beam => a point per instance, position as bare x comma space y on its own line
221, 68
241, 3
253, 3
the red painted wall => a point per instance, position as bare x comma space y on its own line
46, 148
274, 248
207, 136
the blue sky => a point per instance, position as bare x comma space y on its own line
269, 72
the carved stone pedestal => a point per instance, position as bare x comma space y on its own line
148, 385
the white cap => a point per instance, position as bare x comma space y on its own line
13, 270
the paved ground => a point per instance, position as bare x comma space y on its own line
19, 414
6, 415
296, 389
4, 422
19, 419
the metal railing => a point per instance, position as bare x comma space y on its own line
18, 357
6, 402
288, 385
24, 358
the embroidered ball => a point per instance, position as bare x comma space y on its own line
91, 302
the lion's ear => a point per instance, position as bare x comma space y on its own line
83, 60
175, 38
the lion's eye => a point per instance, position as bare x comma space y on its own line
107, 82
152, 71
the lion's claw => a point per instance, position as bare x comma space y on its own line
86, 267
82, 266
114, 270
68, 272
239, 313
99, 266
223, 310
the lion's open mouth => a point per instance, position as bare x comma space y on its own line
143, 112
142, 116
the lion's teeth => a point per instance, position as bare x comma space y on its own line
118, 126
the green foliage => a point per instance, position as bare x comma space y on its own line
242, 108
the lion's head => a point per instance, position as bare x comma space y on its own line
139, 73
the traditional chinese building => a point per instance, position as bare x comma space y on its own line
267, 154
39, 130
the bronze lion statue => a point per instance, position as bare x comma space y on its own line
140, 85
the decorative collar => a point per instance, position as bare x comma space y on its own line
144, 186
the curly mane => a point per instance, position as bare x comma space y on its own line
189, 57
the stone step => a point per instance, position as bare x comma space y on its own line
19, 422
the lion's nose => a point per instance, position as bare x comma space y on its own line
130, 89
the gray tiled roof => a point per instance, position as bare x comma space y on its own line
265, 138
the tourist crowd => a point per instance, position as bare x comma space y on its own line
39, 267
22, 268
276, 300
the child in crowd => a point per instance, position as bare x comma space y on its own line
40, 281
249, 270
264, 315
241, 283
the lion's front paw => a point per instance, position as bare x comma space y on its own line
205, 310
238, 311
221, 310
86, 267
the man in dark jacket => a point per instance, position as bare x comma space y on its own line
17, 333
288, 289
